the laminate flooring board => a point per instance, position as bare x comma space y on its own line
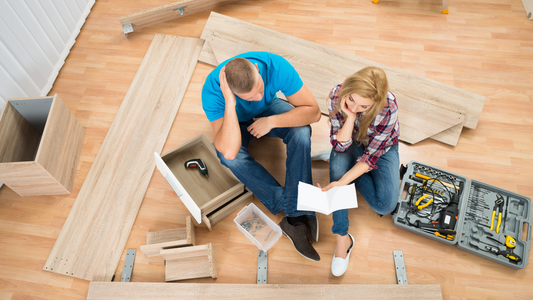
418, 120
93, 237
170, 11
338, 62
166, 291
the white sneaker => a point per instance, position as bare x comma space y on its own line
340, 265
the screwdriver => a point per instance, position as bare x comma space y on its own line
508, 254
197, 163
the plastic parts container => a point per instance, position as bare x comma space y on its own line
265, 237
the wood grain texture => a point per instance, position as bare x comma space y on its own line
149, 291
61, 143
19, 140
97, 228
34, 163
482, 46
170, 11
168, 239
206, 192
189, 262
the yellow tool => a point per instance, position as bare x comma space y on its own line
436, 180
498, 206
510, 242
425, 204
448, 237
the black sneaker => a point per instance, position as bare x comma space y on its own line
312, 222
298, 235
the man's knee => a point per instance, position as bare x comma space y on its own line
301, 135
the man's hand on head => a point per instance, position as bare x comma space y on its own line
260, 127
224, 87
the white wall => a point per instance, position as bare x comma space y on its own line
35, 38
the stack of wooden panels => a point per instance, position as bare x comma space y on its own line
189, 262
183, 260
169, 239
148, 291
94, 235
428, 109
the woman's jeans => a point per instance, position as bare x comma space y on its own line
380, 187
298, 164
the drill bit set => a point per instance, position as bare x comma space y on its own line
477, 217
495, 224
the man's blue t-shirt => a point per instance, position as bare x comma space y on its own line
277, 73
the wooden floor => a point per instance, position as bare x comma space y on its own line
483, 46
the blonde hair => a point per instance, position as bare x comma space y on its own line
371, 83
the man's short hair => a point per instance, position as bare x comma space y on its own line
240, 75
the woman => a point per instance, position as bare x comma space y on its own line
364, 134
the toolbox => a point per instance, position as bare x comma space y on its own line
477, 217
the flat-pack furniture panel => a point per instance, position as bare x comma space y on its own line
40, 146
168, 12
189, 262
201, 194
168, 239
165, 291
93, 237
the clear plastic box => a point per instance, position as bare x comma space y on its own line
265, 237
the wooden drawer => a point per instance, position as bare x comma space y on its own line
209, 199
40, 146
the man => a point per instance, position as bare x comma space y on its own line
239, 99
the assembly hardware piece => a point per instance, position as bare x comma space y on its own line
128, 28
128, 265
401, 275
262, 261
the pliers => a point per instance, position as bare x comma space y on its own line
498, 206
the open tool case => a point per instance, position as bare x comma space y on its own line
451, 209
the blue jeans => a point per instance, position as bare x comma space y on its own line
298, 164
380, 187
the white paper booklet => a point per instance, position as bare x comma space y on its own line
313, 198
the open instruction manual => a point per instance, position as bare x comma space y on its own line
313, 198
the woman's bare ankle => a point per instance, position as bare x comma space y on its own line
343, 244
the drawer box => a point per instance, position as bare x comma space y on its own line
40, 146
209, 199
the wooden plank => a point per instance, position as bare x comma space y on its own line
335, 61
18, 139
189, 262
170, 11
96, 230
61, 143
165, 291
169, 239
418, 120
528, 6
